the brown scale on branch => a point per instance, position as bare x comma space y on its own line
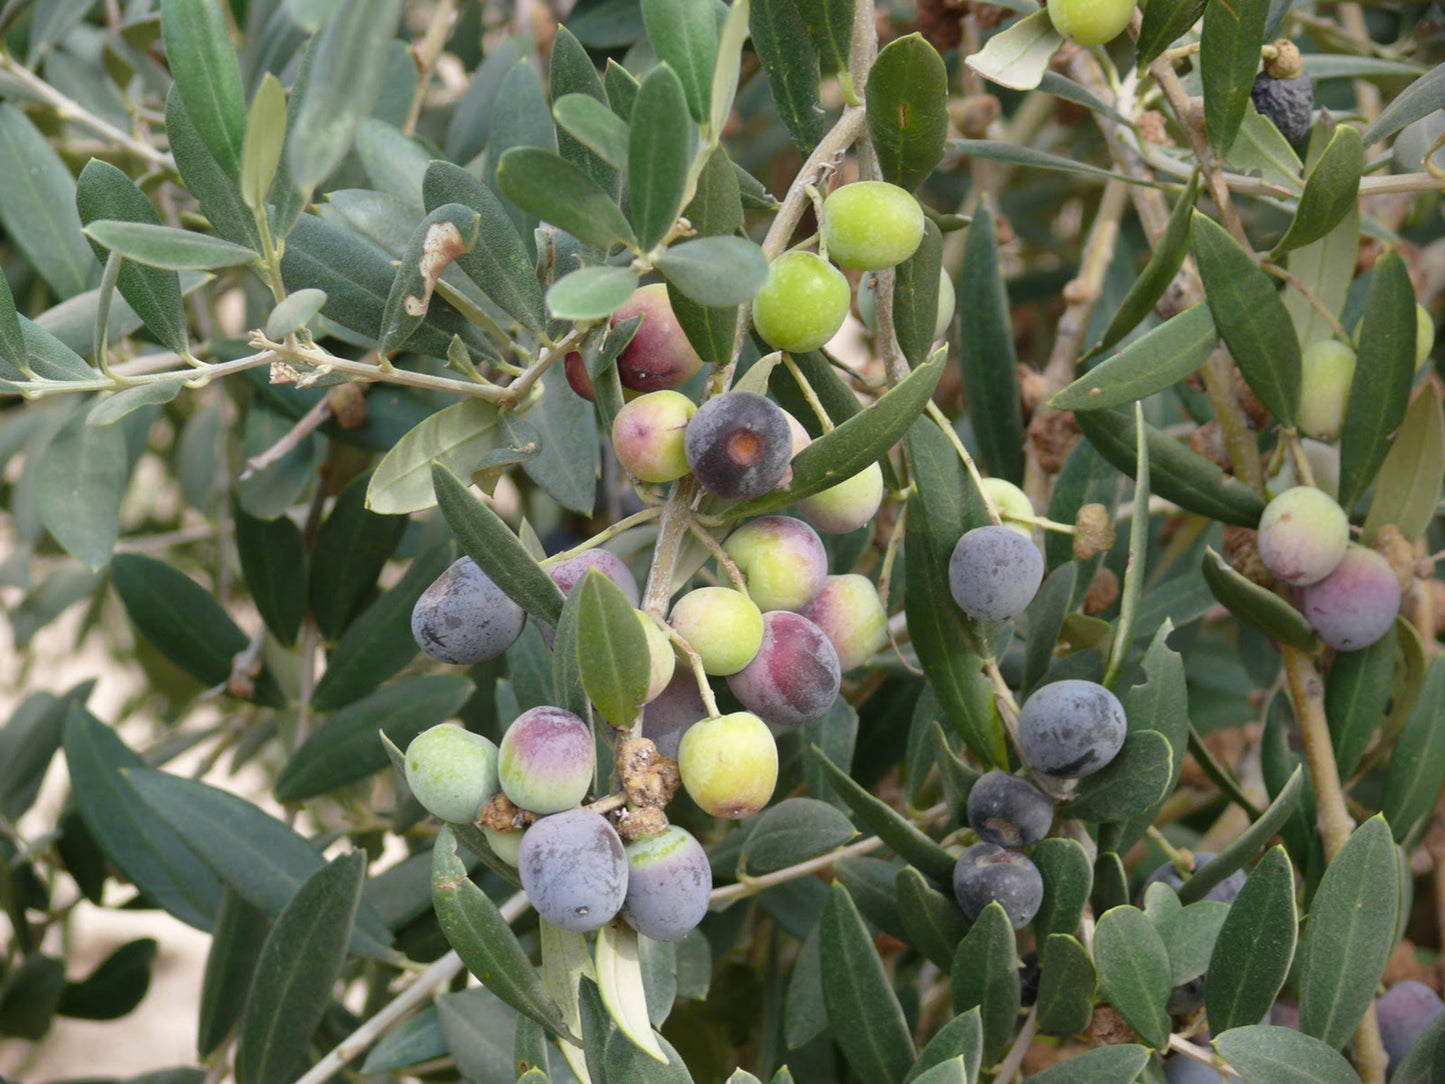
1241, 546
501, 815
635, 824
1053, 433
1093, 532
1394, 547
972, 115
1108, 1028
1209, 442
1254, 410
1033, 387
1102, 592
648, 778
941, 22
347, 403
1153, 128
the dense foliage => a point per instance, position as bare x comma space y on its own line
1044, 683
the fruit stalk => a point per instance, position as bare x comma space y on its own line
437, 974
1007, 1069
1307, 697
676, 514
1192, 122
1081, 296
1153, 212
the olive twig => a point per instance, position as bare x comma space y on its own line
1271, 268
720, 555
1191, 121
704, 687
608, 533
1187, 1049
1180, 860
68, 109
438, 974
749, 886
1306, 694
890, 552
1302, 469
1007, 1069
943, 423
809, 395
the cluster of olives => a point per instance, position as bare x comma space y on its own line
736, 445
1349, 593
782, 644
573, 864
1067, 729
1008, 814
866, 226
782, 636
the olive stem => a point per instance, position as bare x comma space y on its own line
1005, 1071
1041, 522
1187, 1049
1081, 297
303, 428
748, 886
1306, 694
1303, 471
426, 52
69, 109
1367, 95
438, 974
1123, 147
606, 534
720, 555
1370, 1057
809, 395
816, 199
1008, 708
943, 423
1162, 69
603, 806
890, 552
1271, 268
704, 687
272, 352
1181, 864
1149, 203
676, 515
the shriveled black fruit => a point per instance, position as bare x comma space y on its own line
739, 445
1286, 102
